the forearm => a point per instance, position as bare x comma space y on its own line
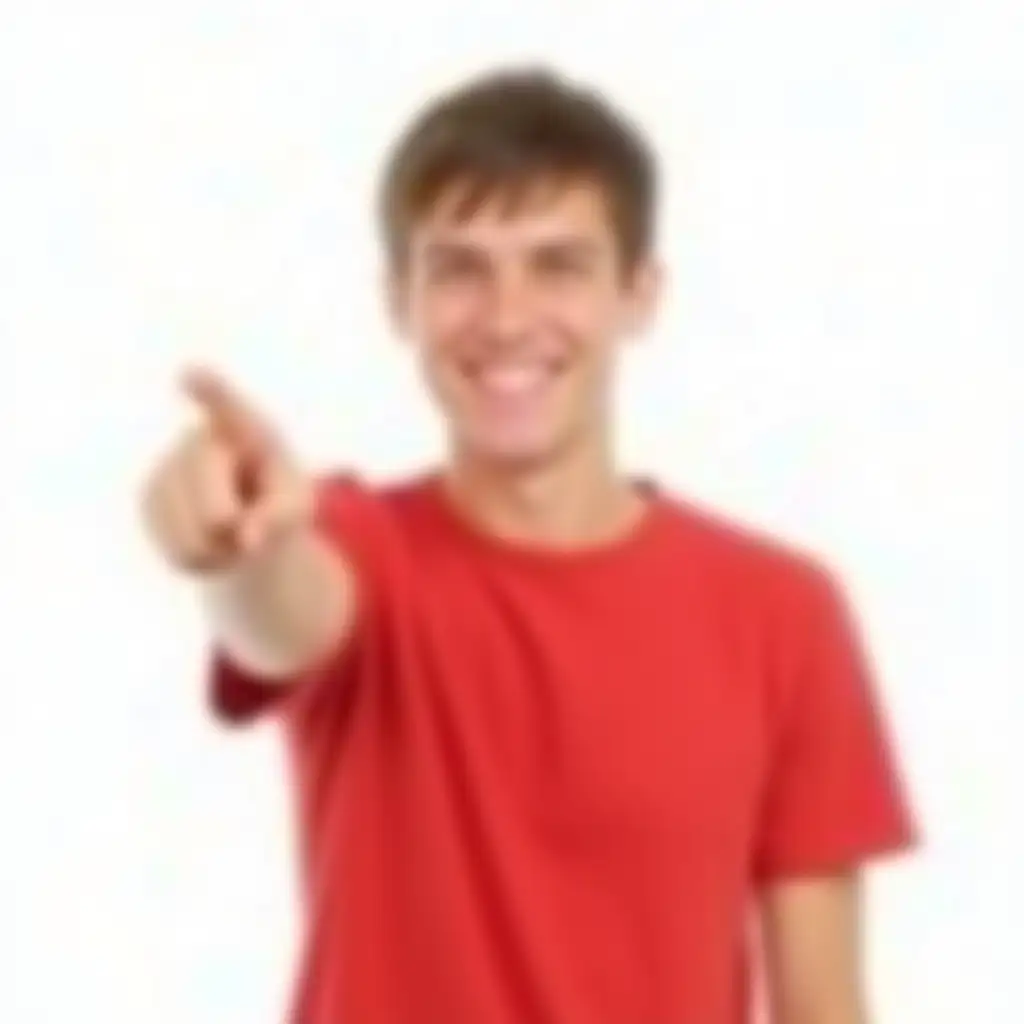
822, 998
282, 610
841, 1014
814, 949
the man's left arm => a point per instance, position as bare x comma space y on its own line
834, 800
811, 935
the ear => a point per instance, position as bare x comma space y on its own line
396, 299
646, 286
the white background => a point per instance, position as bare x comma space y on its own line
193, 180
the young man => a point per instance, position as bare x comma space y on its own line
555, 731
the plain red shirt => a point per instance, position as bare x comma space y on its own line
542, 787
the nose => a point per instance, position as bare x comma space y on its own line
510, 306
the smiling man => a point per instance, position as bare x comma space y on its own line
556, 732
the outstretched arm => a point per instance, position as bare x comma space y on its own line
230, 506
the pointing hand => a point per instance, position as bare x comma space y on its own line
228, 488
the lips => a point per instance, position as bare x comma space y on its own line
512, 381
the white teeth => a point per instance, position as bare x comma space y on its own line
511, 380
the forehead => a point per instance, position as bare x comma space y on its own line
516, 216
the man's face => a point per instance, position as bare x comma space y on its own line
518, 317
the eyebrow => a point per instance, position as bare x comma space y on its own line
575, 246
446, 250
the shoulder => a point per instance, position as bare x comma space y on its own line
384, 511
776, 593
386, 495
747, 561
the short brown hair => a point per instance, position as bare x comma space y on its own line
504, 131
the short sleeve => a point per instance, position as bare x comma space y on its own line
344, 512
834, 796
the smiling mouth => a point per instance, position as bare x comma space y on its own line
512, 381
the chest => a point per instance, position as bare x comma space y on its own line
628, 713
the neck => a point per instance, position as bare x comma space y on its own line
575, 500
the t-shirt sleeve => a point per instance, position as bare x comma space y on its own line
835, 796
346, 514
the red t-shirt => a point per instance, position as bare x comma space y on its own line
542, 787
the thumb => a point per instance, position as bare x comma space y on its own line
284, 502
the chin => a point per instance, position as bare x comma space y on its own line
512, 453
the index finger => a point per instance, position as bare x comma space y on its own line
230, 414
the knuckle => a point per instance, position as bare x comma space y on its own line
175, 511
155, 505
197, 557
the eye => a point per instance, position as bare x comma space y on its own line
454, 268
560, 264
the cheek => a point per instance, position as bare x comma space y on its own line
437, 314
437, 326
592, 324
588, 313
